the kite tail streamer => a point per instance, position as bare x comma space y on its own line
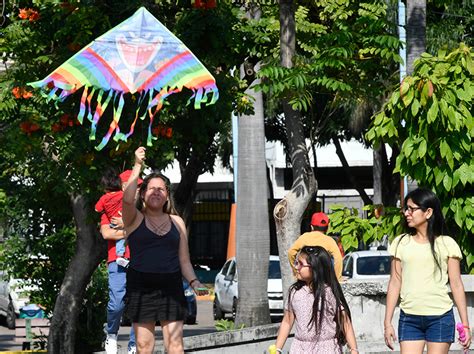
158, 100
113, 125
89, 106
215, 94
117, 114
99, 110
82, 106
198, 99
142, 117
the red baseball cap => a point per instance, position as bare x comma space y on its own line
320, 219
125, 175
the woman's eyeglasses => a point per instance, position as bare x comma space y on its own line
410, 209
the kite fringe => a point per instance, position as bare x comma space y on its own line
207, 94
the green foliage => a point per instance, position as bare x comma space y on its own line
343, 48
227, 325
42, 263
430, 117
46, 156
353, 229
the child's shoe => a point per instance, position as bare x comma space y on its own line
122, 262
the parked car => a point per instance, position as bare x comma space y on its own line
226, 289
13, 296
366, 265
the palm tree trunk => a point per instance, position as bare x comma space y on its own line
416, 31
252, 229
289, 211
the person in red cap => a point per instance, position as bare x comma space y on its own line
317, 237
118, 255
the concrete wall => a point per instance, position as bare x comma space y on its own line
367, 303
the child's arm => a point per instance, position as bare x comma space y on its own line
285, 328
350, 335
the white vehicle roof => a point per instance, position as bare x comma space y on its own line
369, 253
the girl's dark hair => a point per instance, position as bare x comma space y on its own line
425, 199
111, 181
324, 276
168, 207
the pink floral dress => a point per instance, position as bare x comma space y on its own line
306, 340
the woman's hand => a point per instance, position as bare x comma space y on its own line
467, 342
389, 335
199, 289
140, 155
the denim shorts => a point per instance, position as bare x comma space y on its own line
439, 329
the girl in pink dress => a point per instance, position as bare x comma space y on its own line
317, 306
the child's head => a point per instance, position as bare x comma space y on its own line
111, 181
315, 264
315, 268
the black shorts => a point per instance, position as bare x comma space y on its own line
159, 297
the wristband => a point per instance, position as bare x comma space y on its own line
279, 350
192, 281
466, 327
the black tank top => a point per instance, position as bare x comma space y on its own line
152, 253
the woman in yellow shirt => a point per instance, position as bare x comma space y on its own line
423, 263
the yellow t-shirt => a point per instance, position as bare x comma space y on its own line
424, 289
316, 238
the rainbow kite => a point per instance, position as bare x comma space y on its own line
140, 55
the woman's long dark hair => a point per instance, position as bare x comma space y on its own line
323, 276
168, 207
425, 199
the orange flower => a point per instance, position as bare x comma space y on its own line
34, 16
25, 127
19, 92
27, 94
28, 127
169, 132
16, 91
24, 13
29, 14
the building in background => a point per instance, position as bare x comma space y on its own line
215, 194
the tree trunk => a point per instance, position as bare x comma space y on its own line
252, 229
90, 250
183, 195
289, 211
416, 31
377, 176
365, 198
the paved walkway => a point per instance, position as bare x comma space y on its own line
205, 324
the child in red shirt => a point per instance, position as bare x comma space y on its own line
110, 205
